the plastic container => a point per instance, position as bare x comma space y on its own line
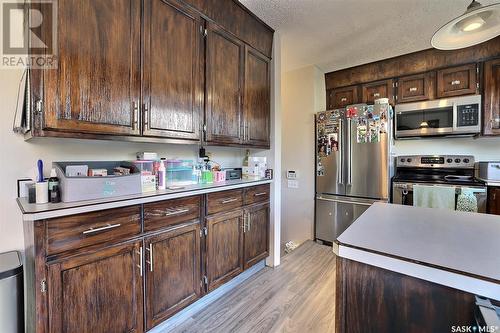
180, 172
90, 188
145, 167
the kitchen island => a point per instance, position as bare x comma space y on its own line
408, 269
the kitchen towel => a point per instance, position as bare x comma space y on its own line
434, 196
467, 201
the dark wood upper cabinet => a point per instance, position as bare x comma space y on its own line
375, 90
341, 97
256, 240
97, 292
257, 98
173, 71
456, 81
224, 257
173, 278
96, 86
224, 82
492, 97
414, 88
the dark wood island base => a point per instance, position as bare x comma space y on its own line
372, 299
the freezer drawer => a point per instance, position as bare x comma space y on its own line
335, 213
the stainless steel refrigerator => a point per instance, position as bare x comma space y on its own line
353, 165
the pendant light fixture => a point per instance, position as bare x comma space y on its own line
478, 24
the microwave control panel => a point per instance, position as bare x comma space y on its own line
468, 115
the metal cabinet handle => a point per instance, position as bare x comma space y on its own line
229, 200
244, 226
343, 99
140, 253
376, 95
412, 89
171, 212
260, 194
150, 261
106, 227
145, 114
135, 114
249, 222
455, 82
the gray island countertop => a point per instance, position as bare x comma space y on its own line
33, 212
457, 249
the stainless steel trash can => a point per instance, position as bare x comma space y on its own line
11, 293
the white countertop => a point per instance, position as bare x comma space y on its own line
33, 212
457, 243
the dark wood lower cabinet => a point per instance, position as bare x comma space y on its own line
97, 292
256, 240
173, 278
493, 200
372, 299
116, 281
224, 257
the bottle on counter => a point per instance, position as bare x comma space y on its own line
53, 181
55, 194
162, 175
247, 158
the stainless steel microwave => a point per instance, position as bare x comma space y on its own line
442, 117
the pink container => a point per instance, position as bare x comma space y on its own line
219, 176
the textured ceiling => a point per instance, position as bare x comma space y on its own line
336, 34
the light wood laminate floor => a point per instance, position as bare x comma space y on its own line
297, 296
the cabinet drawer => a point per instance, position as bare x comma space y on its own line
162, 214
224, 201
376, 90
341, 97
416, 88
457, 81
77, 231
258, 193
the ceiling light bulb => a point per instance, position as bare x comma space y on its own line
424, 124
471, 24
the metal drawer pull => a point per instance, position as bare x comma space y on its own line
249, 222
229, 200
455, 82
412, 89
140, 259
107, 227
176, 212
343, 99
260, 194
150, 261
376, 95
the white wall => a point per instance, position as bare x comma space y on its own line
18, 157
303, 94
483, 149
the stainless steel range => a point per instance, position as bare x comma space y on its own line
455, 171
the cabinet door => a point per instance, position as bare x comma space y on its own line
456, 81
224, 80
376, 90
494, 200
97, 292
416, 88
173, 278
256, 231
173, 81
256, 98
224, 247
96, 87
492, 97
341, 97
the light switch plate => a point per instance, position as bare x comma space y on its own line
293, 184
292, 174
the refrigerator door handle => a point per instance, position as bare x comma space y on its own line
340, 169
349, 150
348, 202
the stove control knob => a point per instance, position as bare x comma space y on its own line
457, 160
402, 160
466, 160
449, 160
408, 160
